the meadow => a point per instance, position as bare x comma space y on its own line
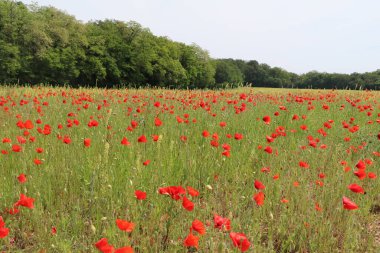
244, 170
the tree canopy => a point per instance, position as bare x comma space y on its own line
45, 45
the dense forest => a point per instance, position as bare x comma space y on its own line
45, 45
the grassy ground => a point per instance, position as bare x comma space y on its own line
80, 191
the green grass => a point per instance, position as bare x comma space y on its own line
82, 191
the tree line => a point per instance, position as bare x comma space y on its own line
41, 44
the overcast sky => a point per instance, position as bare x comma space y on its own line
297, 35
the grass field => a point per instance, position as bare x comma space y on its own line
256, 170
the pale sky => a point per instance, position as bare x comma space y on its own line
297, 35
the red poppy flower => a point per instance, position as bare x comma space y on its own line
214, 143
372, 175
2, 223
140, 195
20, 124
226, 153
21, 139
348, 204
347, 169
4, 232
191, 240
7, 140
12, 211
225, 146
303, 164
222, 124
361, 165
146, 163
125, 225
124, 250
134, 124
39, 150
259, 198
319, 183
269, 139
240, 241
268, 149
142, 139
103, 246
16, 148
205, 134
192, 191
222, 223
175, 192
215, 136
354, 129
25, 201
28, 124
238, 136
317, 207
187, 204
259, 185
198, 226
179, 120
157, 122
37, 161
66, 140
361, 174
93, 123
356, 188
21, 178
125, 142
266, 120
87, 142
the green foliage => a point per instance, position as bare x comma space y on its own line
10, 62
81, 190
227, 71
43, 44
46, 45
262, 75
